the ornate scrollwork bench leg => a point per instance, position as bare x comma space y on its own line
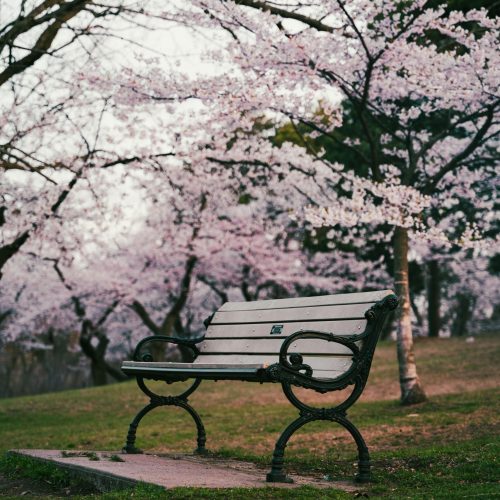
155, 401
310, 414
291, 370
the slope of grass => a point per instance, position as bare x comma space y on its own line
446, 448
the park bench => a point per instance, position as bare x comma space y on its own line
323, 343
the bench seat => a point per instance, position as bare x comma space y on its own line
182, 371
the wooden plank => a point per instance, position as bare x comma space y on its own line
164, 365
328, 374
325, 363
237, 359
263, 330
322, 300
349, 311
271, 346
188, 370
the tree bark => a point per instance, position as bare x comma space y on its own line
99, 368
415, 310
433, 298
172, 322
388, 327
411, 388
167, 327
461, 320
9, 250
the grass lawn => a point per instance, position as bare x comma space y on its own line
446, 448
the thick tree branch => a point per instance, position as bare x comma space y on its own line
66, 11
140, 310
107, 312
96, 353
126, 161
223, 295
9, 250
468, 150
180, 302
266, 7
356, 30
448, 130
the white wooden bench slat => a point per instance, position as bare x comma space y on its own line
344, 298
163, 365
271, 346
327, 363
349, 311
249, 330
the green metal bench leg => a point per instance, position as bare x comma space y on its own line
201, 437
364, 465
277, 475
131, 435
156, 401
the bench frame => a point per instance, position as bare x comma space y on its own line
289, 371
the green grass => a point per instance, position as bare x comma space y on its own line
446, 448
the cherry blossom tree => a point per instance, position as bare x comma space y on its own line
419, 82
403, 93
51, 132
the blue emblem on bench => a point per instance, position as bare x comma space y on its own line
276, 329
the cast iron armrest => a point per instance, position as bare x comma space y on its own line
296, 359
291, 368
163, 338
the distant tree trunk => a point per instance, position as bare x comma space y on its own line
433, 298
463, 310
171, 324
98, 372
388, 327
187, 353
9, 250
4, 315
496, 312
411, 388
415, 310
99, 367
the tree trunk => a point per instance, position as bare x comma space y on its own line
462, 317
98, 367
9, 250
98, 372
411, 389
433, 298
415, 310
388, 327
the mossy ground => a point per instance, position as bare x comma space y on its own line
445, 448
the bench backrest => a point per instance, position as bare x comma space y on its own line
253, 332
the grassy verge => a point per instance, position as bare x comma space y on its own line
44, 478
446, 448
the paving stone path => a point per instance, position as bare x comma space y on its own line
109, 470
